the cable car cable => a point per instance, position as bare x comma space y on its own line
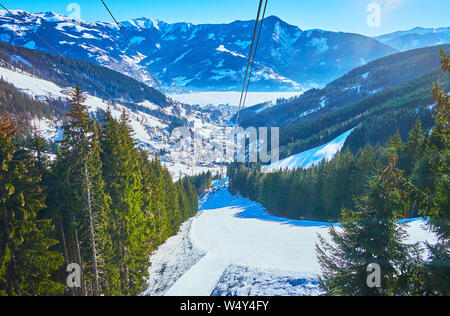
249, 60
137, 53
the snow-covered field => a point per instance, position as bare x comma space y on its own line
234, 247
231, 98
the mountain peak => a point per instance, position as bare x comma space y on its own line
142, 22
273, 18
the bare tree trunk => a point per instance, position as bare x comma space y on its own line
91, 227
80, 262
66, 253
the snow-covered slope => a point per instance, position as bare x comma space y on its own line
201, 57
310, 157
43, 89
234, 247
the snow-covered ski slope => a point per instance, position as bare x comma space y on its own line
310, 157
234, 247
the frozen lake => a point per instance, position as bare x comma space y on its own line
231, 98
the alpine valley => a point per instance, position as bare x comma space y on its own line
94, 169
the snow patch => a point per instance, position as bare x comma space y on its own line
321, 44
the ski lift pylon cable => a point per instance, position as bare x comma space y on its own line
132, 46
249, 60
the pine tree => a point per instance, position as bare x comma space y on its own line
192, 196
27, 265
371, 235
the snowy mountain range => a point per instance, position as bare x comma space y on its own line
201, 57
416, 38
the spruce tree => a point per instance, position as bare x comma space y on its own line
131, 236
371, 235
413, 149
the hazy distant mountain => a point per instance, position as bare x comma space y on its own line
202, 57
362, 82
416, 38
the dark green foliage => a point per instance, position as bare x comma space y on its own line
27, 259
317, 193
202, 182
78, 171
371, 235
438, 268
112, 207
321, 192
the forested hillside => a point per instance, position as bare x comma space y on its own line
101, 204
319, 193
202, 182
377, 117
23, 108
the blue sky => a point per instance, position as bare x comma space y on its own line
334, 15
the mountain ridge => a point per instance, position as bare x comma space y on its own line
416, 38
202, 57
